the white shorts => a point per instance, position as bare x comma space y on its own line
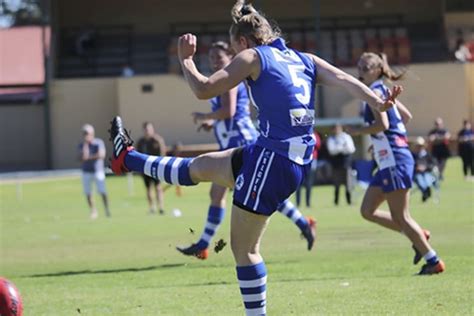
89, 177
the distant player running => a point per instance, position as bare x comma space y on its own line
230, 119
393, 180
264, 174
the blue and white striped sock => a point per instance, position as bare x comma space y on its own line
173, 170
215, 215
253, 287
431, 257
290, 210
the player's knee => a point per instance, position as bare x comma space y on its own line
243, 254
238, 246
196, 168
367, 213
399, 218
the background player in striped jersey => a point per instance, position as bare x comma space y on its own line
393, 179
264, 174
230, 119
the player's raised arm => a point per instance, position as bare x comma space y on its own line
244, 64
330, 75
404, 112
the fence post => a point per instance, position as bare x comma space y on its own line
130, 184
19, 191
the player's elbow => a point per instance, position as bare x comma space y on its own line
202, 95
203, 92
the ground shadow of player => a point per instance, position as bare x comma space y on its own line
69, 273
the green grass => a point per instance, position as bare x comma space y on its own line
127, 265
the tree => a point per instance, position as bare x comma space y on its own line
21, 12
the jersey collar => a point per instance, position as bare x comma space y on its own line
279, 43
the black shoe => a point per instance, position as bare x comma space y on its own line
193, 250
429, 269
122, 144
310, 232
418, 254
162, 212
426, 195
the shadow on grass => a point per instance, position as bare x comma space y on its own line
143, 269
233, 282
70, 273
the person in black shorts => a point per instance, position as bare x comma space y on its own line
152, 144
439, 143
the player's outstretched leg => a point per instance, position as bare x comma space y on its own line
173, 170
307, 225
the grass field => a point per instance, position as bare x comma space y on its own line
65, 264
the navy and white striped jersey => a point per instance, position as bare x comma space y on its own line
284, 97
239, 129
391, 145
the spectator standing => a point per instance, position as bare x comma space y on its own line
152, 144
341, 147
92, 154
439, 144
466, 148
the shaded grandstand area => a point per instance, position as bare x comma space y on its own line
338, 32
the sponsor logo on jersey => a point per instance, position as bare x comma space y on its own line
401, 141
239, 182
301, 117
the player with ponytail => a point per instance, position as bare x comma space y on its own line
281, 85
393, 180
230, 119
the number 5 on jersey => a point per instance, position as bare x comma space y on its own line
299, 82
